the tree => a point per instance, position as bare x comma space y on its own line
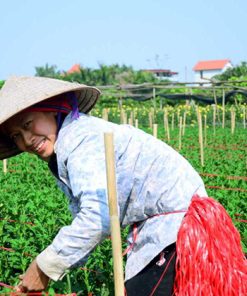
47, 71
104, 75
240, 71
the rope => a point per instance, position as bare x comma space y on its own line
30, 293
135, 229
162, 275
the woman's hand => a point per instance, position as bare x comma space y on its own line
33, 280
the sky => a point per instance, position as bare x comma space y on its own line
144, 34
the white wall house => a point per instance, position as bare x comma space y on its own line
162, 73
205, 70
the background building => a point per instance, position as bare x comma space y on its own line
162, 73
205, 70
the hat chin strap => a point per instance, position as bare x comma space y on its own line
75, 111
74, 102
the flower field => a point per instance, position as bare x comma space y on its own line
33, 209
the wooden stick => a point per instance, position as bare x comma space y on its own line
122, 115
223, 108
172, 121
214, 117
233, 116
125, 118
114, 219
180, 132
161, 105
154, 99
5, 166
120, 103
164, 119
168, 130
205, 130
150, 117
201, 137
105, 114
155, 130
244, 116
136, 123
167, 126
184, 123
178, 116
216, 104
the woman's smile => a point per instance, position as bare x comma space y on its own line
34, 132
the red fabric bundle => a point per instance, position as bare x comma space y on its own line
210, 260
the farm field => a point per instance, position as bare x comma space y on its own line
33, 209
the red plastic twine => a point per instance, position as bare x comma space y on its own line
15, 221
210, 259
227, 177
226, 188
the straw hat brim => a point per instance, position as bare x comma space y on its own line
19, 93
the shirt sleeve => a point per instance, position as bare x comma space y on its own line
87, 178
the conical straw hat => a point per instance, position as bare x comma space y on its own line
19, 93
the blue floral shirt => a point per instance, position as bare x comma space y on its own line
152, 178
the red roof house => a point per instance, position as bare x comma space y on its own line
74, 69
205, 70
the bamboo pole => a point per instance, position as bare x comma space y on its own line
153, 112
167, 126
164, 119
180, 132
201, 137
135, 114
184, 123
244, 117
114, 219
136, 123
5, 166
132, 116
214, 117
233, 119
216, 104
197, 111
105, 114
205, 130
178, 116
130, 121
120, 103
154, 99
168, 130
161, 105
155, 130
150, 118
125, 118
172, 121
122, 116
223, 108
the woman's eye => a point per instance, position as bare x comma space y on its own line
27, 124
14, 137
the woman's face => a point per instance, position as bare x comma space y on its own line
33, 132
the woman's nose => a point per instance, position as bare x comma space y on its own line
27, 138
